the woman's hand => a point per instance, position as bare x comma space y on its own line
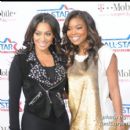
122, 127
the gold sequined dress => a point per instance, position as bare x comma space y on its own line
83, 99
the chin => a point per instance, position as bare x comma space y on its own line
76, 43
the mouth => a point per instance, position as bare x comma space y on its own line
42, 44
76, 38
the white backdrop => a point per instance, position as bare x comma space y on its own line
112, 20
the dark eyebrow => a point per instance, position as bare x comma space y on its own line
76, 25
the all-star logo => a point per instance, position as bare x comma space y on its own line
60, 13
126, 110
118, 44
4, 105
8, 46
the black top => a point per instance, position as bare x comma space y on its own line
16, 78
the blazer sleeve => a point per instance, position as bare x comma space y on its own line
15, 84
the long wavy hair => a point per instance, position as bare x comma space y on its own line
93, 38
46, 18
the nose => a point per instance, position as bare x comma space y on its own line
73, 31
42, 37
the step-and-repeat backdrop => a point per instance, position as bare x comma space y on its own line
113, 23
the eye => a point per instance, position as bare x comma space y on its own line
48, 33
37, 33
79, 27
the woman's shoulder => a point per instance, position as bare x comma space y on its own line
21, 51
104, 50
105, 54
20, 54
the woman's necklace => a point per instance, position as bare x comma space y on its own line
80, 58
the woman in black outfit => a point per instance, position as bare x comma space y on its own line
39, 70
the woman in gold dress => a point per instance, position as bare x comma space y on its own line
83, 97
81, 43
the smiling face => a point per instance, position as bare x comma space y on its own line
43, 36
77, 32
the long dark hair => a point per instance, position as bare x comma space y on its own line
93, 38
52, 21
